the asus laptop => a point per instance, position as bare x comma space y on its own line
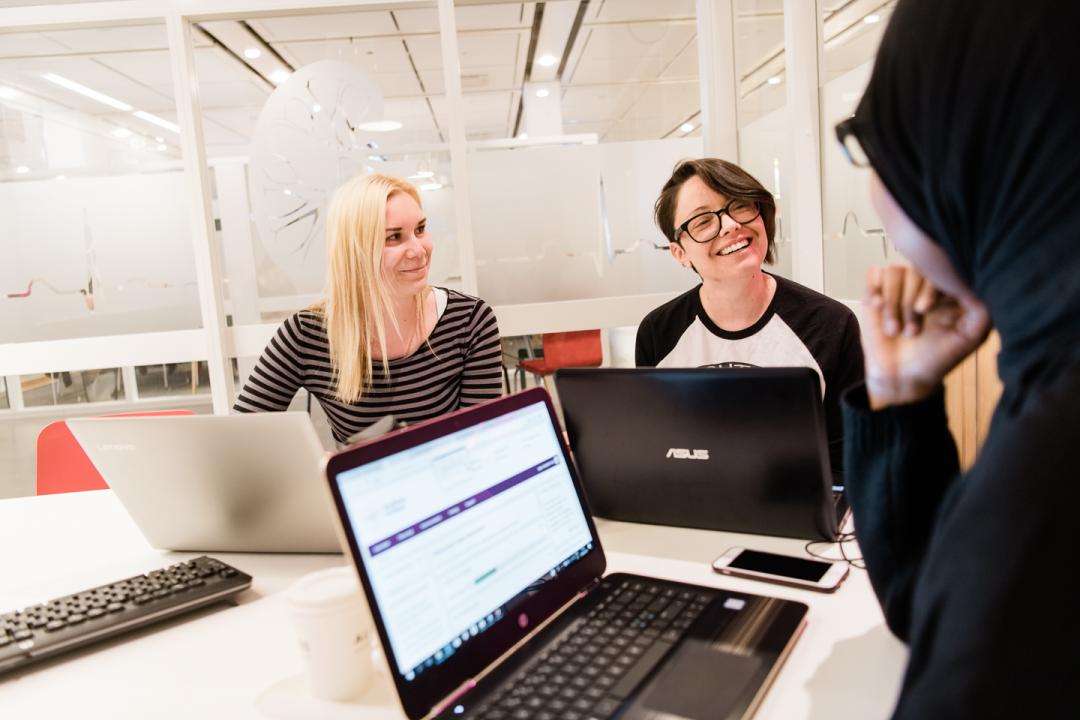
214, 483
485, 578
738, 449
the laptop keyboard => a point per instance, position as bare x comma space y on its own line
595, 664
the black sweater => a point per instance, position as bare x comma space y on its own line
974, 571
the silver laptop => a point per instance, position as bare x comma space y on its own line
212, 483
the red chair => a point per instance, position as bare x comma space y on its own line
62, 466
581, 348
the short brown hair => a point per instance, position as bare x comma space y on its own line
724, 177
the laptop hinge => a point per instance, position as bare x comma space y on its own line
589, 587
454, 696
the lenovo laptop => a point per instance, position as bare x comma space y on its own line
485, 577
736, 449
213, 483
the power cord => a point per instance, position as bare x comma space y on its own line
841, 540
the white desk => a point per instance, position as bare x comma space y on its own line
242, 661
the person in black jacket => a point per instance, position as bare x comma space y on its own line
971, 124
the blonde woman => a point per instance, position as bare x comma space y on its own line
383, 340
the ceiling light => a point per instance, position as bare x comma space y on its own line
380, 126
432, 186
252, 53
372, 144
547, 60
160, 122
22, 170
422, 175
686, 127
162, 147
377, 158
121, 132
543, 93
316, 108
286, 191
8, 93
279, 76
159, 139
83, 90
523, 136
774, 80
871, 18
61, 177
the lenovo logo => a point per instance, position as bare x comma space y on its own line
685, 454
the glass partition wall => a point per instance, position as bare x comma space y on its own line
294, 105
95, 221
538, 133
583, 108
853, 236
762, 113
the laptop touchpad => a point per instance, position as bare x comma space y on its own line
699, 682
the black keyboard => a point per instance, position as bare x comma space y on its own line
594, 665
71, 622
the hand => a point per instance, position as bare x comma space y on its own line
913, 334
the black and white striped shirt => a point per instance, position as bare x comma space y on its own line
462, 367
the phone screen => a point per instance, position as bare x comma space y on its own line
792, 567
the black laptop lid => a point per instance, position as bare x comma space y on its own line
739, 449
467, 531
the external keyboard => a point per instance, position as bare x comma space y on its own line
73, 621
592, 667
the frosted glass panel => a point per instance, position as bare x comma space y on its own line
313, 100
576, 114
93, 212
854, 239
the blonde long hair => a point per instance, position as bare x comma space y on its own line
356, 292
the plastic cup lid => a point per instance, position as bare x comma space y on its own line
325, 590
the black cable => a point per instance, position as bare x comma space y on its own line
840, 542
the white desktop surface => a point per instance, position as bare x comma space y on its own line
243, 661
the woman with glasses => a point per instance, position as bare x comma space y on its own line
383, 341
970, 127
719, 222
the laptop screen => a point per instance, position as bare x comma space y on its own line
456, 531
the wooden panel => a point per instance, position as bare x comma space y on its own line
971, 394
988, 384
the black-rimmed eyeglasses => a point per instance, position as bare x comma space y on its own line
704, 227
849, 143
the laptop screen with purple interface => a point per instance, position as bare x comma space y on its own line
455, 531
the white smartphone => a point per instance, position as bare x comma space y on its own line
799, 572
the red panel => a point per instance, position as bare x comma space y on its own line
62, 466
581, 348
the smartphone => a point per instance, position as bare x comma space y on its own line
799, 572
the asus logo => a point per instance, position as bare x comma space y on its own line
685, 454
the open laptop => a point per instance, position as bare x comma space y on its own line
736, 449
215, 483
485, 577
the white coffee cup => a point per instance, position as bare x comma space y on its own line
335, 630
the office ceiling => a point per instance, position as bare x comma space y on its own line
629, 71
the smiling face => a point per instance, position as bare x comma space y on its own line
738, 250
406, 254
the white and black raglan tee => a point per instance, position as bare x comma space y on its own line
800, 328
459, 365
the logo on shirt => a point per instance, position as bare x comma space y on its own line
729, 364
687, 454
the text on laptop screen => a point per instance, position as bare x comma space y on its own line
453, 531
